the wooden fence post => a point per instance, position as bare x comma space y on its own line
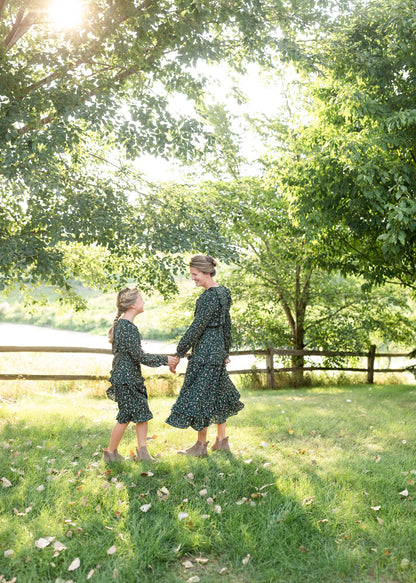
370, 364
271, 383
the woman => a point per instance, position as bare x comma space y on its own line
207, 395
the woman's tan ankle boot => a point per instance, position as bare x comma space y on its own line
197, 450
221, 444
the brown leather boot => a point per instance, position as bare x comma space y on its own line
142, 454
221, 444
112, 456
197, 450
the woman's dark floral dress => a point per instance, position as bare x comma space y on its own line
127, 382
207, 395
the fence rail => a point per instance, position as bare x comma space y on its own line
268, 353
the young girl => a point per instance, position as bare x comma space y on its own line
127, 383
207, 395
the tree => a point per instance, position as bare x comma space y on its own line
70, 99
351, 170
281, 296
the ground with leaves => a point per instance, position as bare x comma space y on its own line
321, 487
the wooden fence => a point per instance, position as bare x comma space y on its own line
268, 354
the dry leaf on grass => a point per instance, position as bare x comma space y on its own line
182, 515
8, 554
145, 507
404, 493
375, 507
6, 483
74, 565
246, 559
188, 565
111, 550
42, 543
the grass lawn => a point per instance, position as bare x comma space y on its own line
321, 488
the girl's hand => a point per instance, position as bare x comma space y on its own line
173, 362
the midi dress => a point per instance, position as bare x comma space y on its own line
207, 395
127, 383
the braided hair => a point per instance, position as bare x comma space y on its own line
126, 298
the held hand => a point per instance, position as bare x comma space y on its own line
173, 362
227, 360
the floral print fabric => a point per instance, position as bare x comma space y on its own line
127, 383
207, 395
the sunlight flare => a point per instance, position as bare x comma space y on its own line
66, 14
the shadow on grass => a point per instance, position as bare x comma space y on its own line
226, 515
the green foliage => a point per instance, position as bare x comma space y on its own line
70, 99
351, 170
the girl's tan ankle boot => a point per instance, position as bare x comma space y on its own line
142, 454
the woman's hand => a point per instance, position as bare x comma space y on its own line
227, 360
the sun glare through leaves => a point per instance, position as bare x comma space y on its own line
64, 14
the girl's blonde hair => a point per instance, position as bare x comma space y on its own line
204, 263
126, 298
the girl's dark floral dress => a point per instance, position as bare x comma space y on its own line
207, 395
127, 382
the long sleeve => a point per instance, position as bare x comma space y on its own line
133, 347
207, 306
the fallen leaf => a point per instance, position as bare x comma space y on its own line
145, 507
147, 474
9, 553
182, 515
58, 546
202, 561
217, 508
248, 461
163, 493
380, 520
90, 574
6, 483
378, 458
188, 565
302, 549
194, 579
404, 563
308, 501
111, 550
203, 492
404, 493
74, 565
42, 543
178, 548
375, 508
246, 559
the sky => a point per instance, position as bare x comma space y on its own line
264, 97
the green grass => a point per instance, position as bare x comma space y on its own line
312, 492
